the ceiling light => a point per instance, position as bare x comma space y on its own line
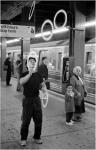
13, 41
55, 31
65, 29
90, 24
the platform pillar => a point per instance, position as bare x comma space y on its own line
3, 57
25, 48
77, 54
79, 41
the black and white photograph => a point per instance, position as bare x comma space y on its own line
48, 74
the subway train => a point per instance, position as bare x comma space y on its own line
57, 53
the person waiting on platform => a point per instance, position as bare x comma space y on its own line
32, 82
7, 64
18, 71
66, 72
69, 104
43, 70
80, 90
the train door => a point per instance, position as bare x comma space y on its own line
65, 70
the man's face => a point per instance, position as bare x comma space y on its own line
10, 56
45, 61
31, 64
69, 88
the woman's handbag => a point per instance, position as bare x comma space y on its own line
85, 93
5, 67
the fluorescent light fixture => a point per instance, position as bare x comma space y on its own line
40, 35
60, 30
55, 31
47, 33
89, 24
13, 41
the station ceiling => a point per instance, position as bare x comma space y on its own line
17, 11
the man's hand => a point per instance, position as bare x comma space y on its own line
44, 79
79, 94
31, 71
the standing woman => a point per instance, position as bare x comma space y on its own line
80, 92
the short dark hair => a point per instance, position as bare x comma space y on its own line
68, 84
32, 58
9, 53
43, 58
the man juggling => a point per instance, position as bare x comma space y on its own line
32, 82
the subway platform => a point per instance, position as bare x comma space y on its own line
55, 133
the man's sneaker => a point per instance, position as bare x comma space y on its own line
72, 121
38, 141
69, 123
23, 142
8, 84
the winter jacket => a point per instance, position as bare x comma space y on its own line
69, 103
78, 87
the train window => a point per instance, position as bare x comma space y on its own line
88, 57
52, 64
88, 61
66, 51
59, 61
52, 59
90, 66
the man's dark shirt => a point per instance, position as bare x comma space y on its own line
8, 63
31, 88
43, 70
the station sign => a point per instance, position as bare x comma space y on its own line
7, 30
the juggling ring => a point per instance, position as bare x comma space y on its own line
55, 26
50, 36
44, 105
31, 10
65, 14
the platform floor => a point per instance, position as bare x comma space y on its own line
55, 133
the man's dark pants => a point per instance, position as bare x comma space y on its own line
31, 109
69, 116
8, 77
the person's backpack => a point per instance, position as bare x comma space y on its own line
5, 67
47, 84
